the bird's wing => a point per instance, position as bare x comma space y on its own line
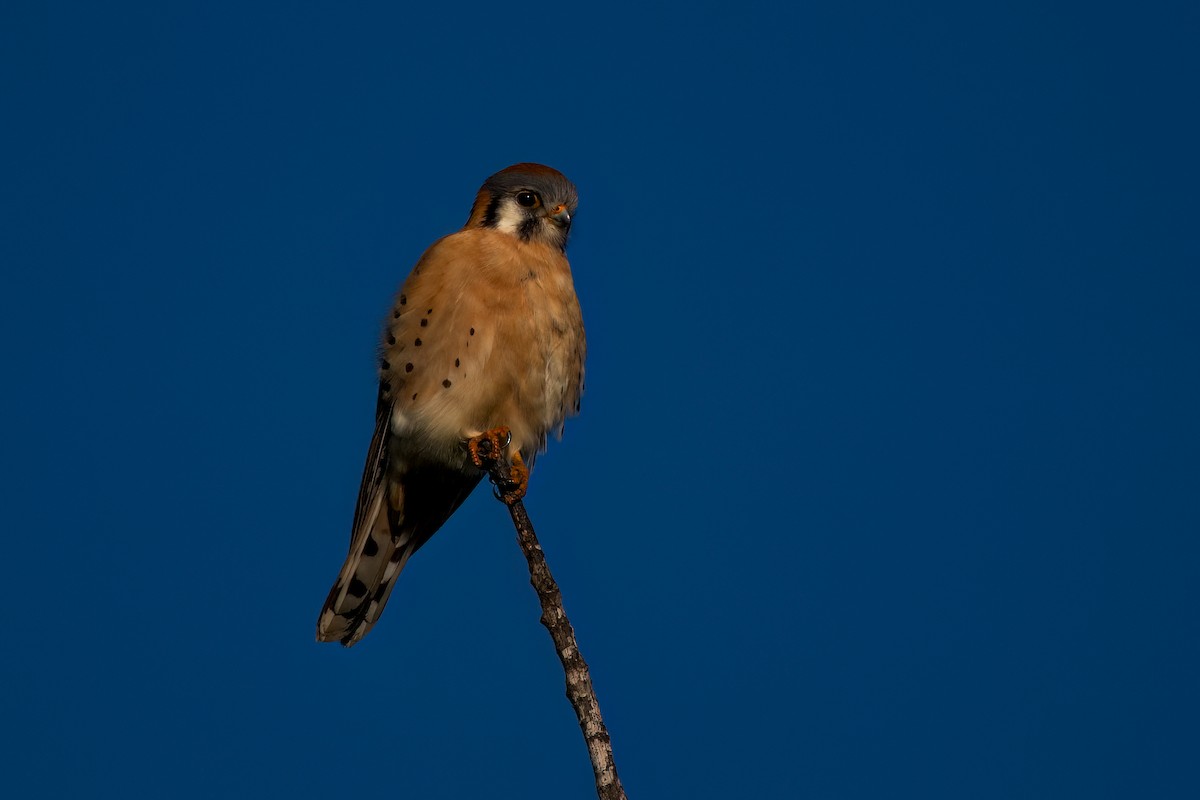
370, 542
400, 505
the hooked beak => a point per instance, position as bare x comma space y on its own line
560, 216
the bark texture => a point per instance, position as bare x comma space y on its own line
580, 691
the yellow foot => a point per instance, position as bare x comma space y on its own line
518, 482
487, 446
486, 449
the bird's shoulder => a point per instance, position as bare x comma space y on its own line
485, 249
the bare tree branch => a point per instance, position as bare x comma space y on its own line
489, 454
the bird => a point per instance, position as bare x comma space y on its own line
485, 338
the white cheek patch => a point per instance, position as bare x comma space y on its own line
510, 217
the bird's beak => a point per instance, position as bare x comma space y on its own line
560, 216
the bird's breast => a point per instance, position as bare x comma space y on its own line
486, 331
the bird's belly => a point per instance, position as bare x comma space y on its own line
470, 351
519, 380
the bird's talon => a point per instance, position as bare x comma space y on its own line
486, 447
518, 483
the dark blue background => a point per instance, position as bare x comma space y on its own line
886, 479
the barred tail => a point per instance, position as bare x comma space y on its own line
396, 519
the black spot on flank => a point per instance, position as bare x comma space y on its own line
403, 301
415, 395
472, 331
396, 314
430, 311
383, 363
408, 367
357, 588
371, 548
456, 362
424, 323
385, 386
396, 556
446, 383
417, 342
391, 339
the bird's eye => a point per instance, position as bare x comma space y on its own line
527, 199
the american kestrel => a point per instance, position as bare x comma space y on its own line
485, 332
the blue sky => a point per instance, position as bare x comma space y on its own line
885, 483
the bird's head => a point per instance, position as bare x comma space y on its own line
530, 201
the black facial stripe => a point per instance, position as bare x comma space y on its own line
528, 228
492, 216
